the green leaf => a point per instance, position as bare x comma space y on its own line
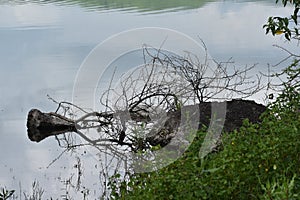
211, 170
286, 21
295, 15
296, 31
287, 36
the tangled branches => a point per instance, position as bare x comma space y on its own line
148, 108
145, 103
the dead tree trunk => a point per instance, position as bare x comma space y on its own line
41, 125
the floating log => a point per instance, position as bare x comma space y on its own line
236, 111
41, 125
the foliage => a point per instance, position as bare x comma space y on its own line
285, 25
260, 161
6, 194
288, 102
273, 190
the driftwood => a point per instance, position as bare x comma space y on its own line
42, 125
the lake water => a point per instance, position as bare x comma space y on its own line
44, 43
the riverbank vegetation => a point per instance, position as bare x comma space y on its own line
258, 161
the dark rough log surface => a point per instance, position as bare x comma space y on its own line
41, 125
236, 111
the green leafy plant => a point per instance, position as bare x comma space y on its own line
265, 153
6, 194
279, 189
285, 25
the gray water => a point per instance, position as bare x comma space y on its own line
43, 44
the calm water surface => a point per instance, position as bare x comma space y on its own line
43, 43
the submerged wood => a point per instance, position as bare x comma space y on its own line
42, 125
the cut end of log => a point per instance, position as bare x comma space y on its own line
42, 125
